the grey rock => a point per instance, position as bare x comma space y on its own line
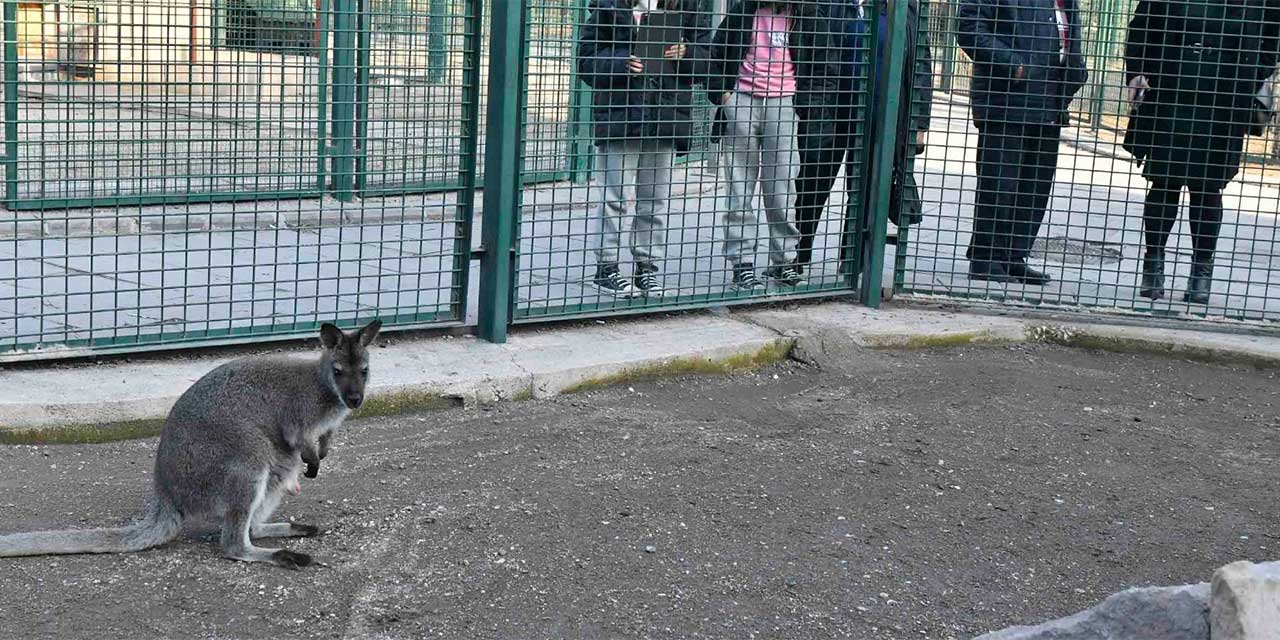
1152, 613
1245, 602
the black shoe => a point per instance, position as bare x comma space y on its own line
990, 271
646, 282
609, 280
1152, 285
744, 277
786, 275
1199, 285
1020, 272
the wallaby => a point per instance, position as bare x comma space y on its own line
231, 446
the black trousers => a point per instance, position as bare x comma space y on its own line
1160, 213
825, 145
1016, 164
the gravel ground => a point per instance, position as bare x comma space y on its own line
927, 494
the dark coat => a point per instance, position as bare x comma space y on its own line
816, 49
1002, 35
1205, 61
825, 103
628, 106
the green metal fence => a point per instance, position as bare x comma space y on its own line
177, 183
1188, 233
563, 247
184, 173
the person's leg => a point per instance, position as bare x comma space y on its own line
1159, 213
999, 155
611, 176
653, 197
741, 159
1039, 165
1035, 185
1206, 223
780, 162
821, 152
616, 163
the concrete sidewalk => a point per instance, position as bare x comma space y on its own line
120, 399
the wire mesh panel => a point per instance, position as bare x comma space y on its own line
190, 270
1109, 154
125, 102
689, 204
412, 95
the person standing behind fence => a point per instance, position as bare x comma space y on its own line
827, 120
762, 55
642, 122
1193, 69
1027, 67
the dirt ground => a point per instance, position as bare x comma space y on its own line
926, 494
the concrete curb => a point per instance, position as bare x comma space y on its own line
114, 401
122, 400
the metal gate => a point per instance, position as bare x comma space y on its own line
134, 103
195, 176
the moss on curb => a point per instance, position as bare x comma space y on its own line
397, 402
772, 353
1077, 339
952, 340
84, 433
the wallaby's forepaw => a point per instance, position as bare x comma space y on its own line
313, 468
303, 530
290, 559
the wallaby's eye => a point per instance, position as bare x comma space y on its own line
364, 371
337, 371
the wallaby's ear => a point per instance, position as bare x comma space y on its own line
330, 336
369, 332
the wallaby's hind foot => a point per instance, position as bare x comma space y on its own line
290, 559
284, 530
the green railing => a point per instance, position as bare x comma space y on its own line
169, 184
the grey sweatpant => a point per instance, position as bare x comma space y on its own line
759, 146
647, 165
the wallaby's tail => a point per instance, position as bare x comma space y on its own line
159, 524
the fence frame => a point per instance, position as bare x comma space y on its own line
341, 165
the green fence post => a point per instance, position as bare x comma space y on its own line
324, 9
437, 41
874, 230
342, 142
468, 168
946, 35
10, 102
580, 145
502, 180
360, 143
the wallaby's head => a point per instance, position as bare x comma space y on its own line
347, 357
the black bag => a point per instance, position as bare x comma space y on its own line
905, 208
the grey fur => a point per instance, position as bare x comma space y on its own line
230, 448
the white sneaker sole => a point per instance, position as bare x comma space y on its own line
627, 294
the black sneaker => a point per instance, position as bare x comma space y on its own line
787, 275
744, 277
646, 282
609, 280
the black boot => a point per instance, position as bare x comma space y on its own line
1152, 285
1200, 283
